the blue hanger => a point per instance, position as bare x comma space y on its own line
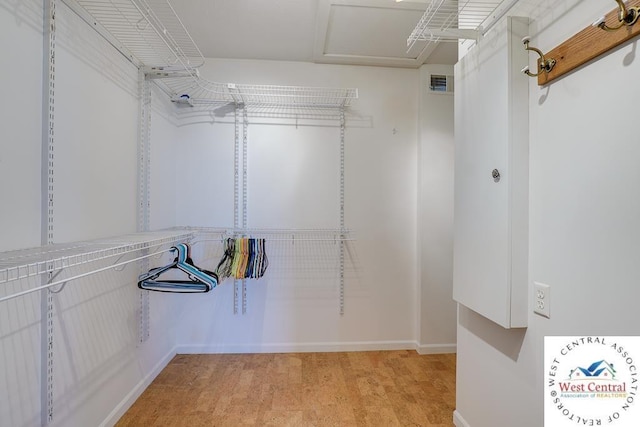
200, 280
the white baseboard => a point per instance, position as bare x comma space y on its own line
458, 420
296, 347
436, 348
133, 395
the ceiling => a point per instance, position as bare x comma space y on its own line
356, 32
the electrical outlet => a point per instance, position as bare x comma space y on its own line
542, 299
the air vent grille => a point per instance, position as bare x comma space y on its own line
441, 83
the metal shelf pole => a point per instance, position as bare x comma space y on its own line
236, 193
342, 228
48, 140
245, 168
144, 193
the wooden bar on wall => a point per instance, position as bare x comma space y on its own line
588, 44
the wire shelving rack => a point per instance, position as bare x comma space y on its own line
26, 263
199, 92
452, 20
153, 37
147, 31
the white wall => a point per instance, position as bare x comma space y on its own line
293, 183
166, 178
97, 361
437, 309
583, 224
96, 126
20, 147
20, 115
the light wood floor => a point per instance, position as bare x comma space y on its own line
377, 388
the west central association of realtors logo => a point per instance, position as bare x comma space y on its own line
591, 381
597, 370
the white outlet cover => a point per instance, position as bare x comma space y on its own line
542, 299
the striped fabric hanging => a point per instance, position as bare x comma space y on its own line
225, 265
260, 262
244, 258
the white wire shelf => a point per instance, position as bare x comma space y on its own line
153, 37
291, 234
292, 96
198, 92
25, 263
452, 20
147, 31
30, 263
302, 255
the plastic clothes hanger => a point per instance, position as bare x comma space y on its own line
200, 280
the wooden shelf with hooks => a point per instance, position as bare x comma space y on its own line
587, 45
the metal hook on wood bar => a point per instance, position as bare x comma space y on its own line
544, 65
627, 16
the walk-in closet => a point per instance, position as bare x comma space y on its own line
129, 151
310, 212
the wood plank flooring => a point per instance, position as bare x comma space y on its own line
377, 388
